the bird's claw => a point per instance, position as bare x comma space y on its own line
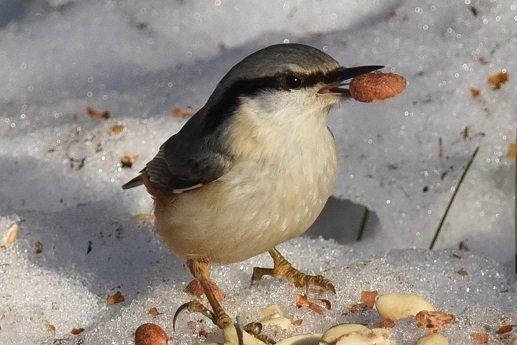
193, 306
283, 269
221, 319
232, 333
255, 329
318, 280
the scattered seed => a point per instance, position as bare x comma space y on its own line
38, 247
153, 312
369, 297
462, 272
387, 323
117, 297
479, 338
334, 333
76, 331
504, 329
127, 160
97, 114
180, 113
375, 87
11, 235
51, 328
150, 334
117, 129
498, 79
434, 321
297, 322
303, 301
396, 306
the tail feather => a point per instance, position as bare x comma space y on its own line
137, 181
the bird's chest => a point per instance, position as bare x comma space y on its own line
286, 185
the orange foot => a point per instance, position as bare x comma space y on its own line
195, 288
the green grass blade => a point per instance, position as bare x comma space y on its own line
362, 226
458, 185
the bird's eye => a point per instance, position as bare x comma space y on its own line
293, 82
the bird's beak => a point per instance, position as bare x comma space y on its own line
338, 77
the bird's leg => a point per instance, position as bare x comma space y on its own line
283, 269
232, 333
199, 269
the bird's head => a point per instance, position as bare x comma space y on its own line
283, 81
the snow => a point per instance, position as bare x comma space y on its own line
61, 171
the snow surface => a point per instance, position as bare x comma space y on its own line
61, 171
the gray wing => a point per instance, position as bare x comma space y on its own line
178, 168
189, 159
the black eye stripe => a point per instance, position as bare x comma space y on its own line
246, 87
224, 107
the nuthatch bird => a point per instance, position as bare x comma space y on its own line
253, 167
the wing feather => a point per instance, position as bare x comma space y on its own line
188, 160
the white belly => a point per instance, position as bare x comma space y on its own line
254, 207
